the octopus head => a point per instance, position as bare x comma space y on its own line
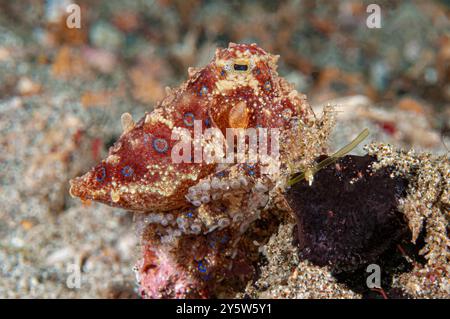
245, 82
240, 61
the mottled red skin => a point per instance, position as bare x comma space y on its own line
213, 109
267, 98
138, 157
203, 267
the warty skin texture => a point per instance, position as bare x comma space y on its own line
193, 217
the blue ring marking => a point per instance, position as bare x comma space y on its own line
267, 86
207, 122
189, 214
159, 149
223, 72
250, 166
188, 119
203, 91
101, 179
201, 267
127, 171
220, 174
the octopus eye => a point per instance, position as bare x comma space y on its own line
240, 67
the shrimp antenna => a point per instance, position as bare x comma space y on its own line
308, 174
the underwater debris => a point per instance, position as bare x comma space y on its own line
284, 275
427, 209
413, 257
309, 173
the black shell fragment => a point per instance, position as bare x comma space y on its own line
348, 216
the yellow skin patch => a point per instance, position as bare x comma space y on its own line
239, 115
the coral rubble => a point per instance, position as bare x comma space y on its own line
427, 210
389, 207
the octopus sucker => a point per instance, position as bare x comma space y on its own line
198, 221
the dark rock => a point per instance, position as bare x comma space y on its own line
348, 216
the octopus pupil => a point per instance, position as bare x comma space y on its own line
240, 67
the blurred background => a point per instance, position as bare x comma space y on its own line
62, 91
